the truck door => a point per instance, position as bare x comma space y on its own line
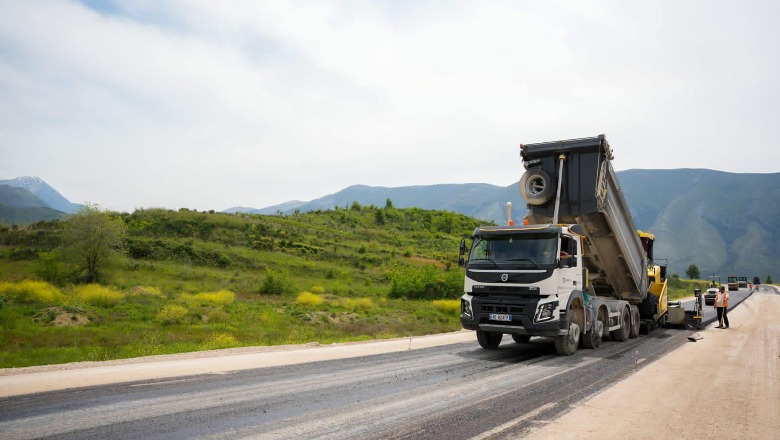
570, 272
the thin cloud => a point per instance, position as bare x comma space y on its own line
194, 104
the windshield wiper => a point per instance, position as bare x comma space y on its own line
479, 260
522, 259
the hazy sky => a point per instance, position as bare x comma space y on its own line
213, 104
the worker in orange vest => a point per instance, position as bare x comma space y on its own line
722, 305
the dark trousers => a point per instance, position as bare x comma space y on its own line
723, 316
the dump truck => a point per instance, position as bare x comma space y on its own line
576, 270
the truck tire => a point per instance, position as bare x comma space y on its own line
489, 339
536, 186
592, 339
635, 322
566, 345
623, 332
521, 339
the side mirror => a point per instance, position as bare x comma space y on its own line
461, 253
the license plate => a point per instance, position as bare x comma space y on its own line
500, 317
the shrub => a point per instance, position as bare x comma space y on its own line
217, 315
31, 292
309, 299
274, 283
218, 341
447, 305
172, 314
357, 303
49, 268
97, 295
221, 298
425, 282
317, 290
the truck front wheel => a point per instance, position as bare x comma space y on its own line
489, 339
567, 344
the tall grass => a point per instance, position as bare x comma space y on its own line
447, 305
357, 304
218, 341
97, 295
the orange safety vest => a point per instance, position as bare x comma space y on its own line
724, 297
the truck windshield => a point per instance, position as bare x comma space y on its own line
522, 250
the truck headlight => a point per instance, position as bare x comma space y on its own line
546, 311
465, 309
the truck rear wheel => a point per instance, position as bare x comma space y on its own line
592, 339
622, 334
521, 339
489, 339
536, 186
567, 344
635, 322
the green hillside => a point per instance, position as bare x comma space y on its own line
719, 221
722, 222
193, 280
23, 215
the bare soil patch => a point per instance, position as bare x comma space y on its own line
61, 317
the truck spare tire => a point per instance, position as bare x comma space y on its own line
536, 186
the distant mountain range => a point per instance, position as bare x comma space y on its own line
26, 200
43, 191
713, 219
725, 223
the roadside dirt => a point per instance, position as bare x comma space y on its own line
725, 385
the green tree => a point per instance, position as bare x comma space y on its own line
692, 272
379, 217
50, 268
768, 279
388, 204
90, 238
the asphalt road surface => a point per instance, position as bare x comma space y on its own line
452, 391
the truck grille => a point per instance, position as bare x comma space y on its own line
502, 308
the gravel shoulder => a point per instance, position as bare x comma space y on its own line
725, 385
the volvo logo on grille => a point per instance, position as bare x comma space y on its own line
504, 277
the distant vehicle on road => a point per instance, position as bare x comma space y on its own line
756, 282
709, 297
733, 283
742, 282
714, 281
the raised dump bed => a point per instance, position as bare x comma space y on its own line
591, 198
